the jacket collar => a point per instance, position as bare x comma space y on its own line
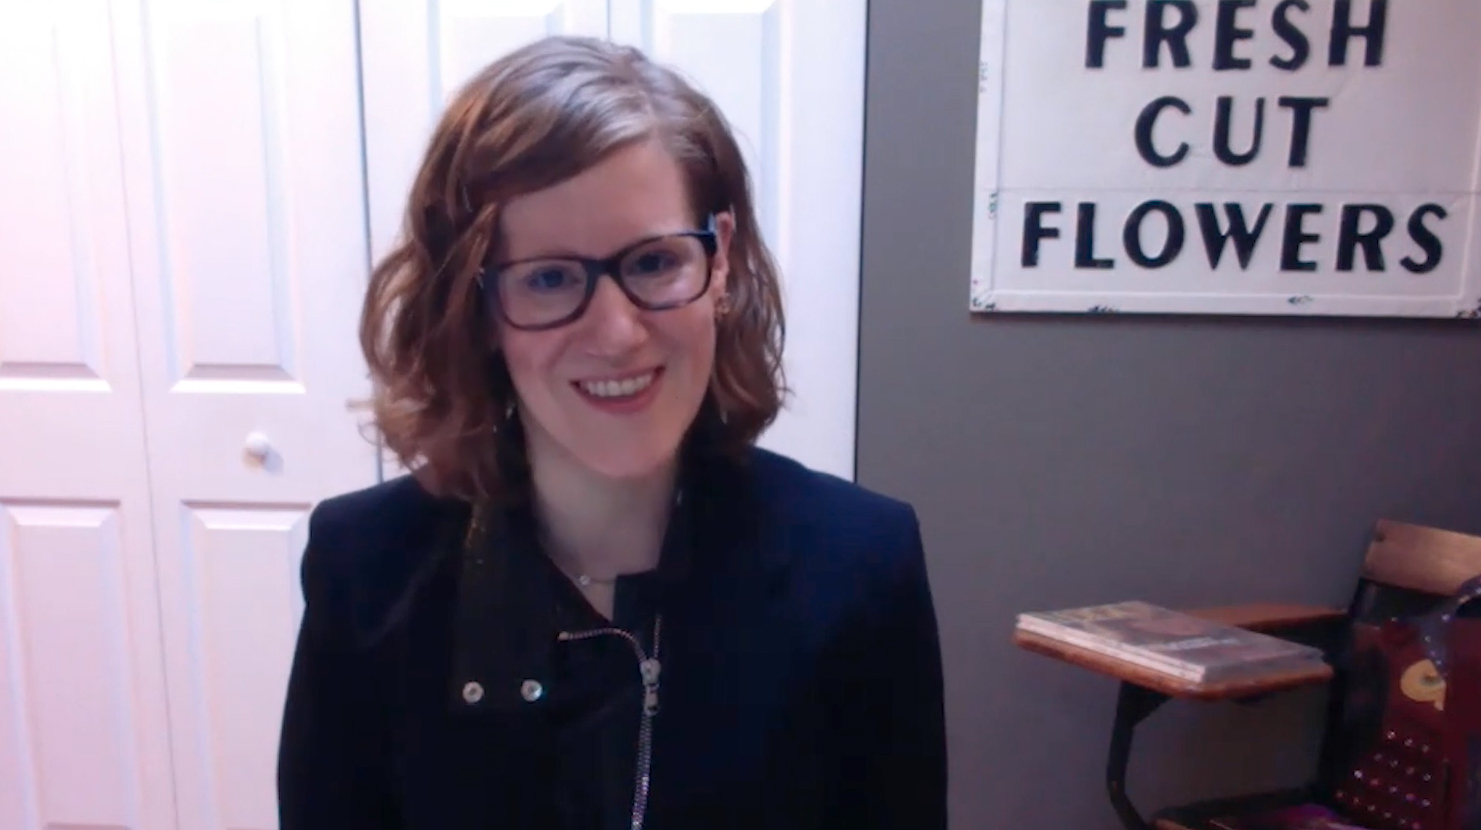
504, 616
506, 623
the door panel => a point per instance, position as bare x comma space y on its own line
83, 721
248, 232
68, 627
242, 149
416, 54
789, 75
240, 567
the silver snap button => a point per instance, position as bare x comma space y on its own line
531, 690
472, 692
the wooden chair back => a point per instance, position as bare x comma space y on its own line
1423, 559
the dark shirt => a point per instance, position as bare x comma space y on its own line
800, 677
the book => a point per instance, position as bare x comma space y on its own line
1301, 817
1171, 642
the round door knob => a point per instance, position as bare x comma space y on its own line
258, 446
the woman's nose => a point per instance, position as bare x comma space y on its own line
615, 324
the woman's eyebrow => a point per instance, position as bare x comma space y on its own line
566, 252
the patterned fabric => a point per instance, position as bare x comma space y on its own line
1464, 687
1434, 626
1397, 779
1412, 720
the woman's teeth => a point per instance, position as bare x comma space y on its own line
616, 388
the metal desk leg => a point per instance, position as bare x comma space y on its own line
1133, 704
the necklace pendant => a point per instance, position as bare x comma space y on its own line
584, 581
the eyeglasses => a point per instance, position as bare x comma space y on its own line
655, 274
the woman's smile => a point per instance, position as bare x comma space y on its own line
622, 395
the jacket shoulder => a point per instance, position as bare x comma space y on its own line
830, 513
366, 548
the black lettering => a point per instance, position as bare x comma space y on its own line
1349, 238
1147, 122
1221, 133
1100, 30
1085, 240
1176, 234
1292, 35
1176, 36
1301, 109
1343, 31
1034, 230
1296, 236
1434, 249
1216, 239
1229, 33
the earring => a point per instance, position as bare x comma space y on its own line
722, 306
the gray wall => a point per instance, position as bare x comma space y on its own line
1058, 461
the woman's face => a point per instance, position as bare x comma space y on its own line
616, 389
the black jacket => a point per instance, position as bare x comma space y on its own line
801, 680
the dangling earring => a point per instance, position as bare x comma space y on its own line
508, 417
722, 306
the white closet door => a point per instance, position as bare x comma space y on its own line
789, 74
83, 726
242, 153
416, 54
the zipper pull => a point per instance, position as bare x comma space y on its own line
650, 668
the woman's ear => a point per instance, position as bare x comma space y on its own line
720, 270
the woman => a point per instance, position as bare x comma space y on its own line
595, 603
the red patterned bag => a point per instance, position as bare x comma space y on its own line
1411, 720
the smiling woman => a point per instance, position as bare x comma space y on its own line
617, 369
595, 603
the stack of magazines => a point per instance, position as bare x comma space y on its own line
1172, 643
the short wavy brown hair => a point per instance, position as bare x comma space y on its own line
443, 400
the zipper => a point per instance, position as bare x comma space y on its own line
648, 669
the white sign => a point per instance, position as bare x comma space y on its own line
1229, 156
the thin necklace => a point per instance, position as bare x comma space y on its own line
583, 579
587, 580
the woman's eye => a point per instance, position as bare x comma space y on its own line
652, 262
548, 279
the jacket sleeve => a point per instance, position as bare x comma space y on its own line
895, 726
332, 748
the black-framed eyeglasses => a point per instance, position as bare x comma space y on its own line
655, 274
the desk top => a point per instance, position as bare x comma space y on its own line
1255, 617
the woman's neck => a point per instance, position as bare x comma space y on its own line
599, 526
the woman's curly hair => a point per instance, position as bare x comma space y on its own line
443, 400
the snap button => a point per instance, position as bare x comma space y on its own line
472, 692
531, 690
